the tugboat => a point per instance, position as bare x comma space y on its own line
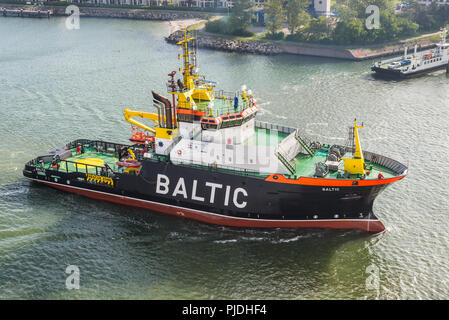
208, 158
408, 66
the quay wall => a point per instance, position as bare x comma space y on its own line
120, 13
282, 47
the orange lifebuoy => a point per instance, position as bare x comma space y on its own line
179, 152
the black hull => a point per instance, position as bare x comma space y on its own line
226, 198
394, 74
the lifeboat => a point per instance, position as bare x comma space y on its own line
129, 163
141, 138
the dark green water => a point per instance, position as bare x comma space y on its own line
58, 85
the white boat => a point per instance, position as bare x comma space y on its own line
410, 65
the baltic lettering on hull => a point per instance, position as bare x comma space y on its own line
235, 196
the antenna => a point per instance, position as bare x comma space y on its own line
443, 35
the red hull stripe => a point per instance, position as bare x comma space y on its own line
331, 182
218, 219
194, 112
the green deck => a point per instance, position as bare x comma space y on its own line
304, 164
305, 167
73, 164
265, 137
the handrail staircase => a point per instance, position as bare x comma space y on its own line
304, 143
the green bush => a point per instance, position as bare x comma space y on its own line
223, 26
275, 36
242, 33
297, 37
217, 26
352, 31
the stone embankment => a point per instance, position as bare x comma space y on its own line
119, 13
225, 44
137, 14
217, 42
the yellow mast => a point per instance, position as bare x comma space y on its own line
191, 91
358, 154
356, 165
188, 75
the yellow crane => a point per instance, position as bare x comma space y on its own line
130, 114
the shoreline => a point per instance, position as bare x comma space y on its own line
119, 13
266, 47
178, 19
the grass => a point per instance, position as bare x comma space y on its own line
428, 38
197, 26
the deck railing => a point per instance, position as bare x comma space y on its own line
102, 146
393, 165
62, 165
272, 126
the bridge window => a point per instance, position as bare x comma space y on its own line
185, 117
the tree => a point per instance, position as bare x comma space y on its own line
440, 14
295, 13
350, 31
345, 12
319, 29
274, 11
240, 16
429, 18
408, 27
359, 6
304, 19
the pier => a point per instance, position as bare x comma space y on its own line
25, 13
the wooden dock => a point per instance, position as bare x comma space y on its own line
25, 13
